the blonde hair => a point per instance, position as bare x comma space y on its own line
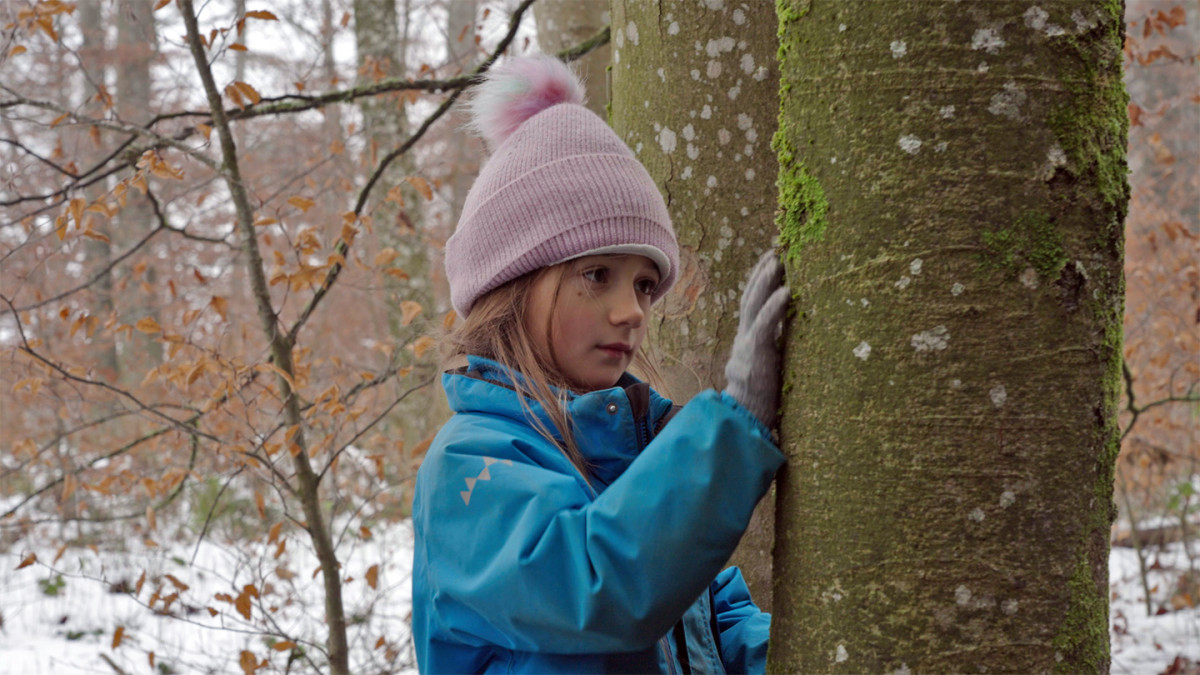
495, 329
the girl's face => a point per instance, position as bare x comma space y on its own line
598, 320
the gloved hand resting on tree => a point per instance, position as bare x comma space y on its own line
752, 373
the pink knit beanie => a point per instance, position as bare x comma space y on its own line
560, 185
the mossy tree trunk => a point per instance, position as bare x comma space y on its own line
700, 112
952, 184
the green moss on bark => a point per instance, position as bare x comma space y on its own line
802, 202
1033, 241
1092, 126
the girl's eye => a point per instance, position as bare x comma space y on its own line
597, 275
646, 286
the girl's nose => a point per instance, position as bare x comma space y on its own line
627, 309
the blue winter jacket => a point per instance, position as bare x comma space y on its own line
523, 565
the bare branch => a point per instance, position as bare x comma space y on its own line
341, 247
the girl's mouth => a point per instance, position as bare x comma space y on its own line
616, 349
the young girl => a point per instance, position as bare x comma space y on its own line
562, 525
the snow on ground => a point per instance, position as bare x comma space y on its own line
62, 620
52, 627
1150, 644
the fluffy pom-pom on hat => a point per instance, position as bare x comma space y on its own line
519, 89
559, 185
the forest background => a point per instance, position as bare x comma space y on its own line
150, 443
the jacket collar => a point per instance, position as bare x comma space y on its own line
611, 425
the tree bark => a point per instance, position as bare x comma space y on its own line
136, 39
566, 23
952, 192
94, 56
699, 113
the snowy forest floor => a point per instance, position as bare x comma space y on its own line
64, 619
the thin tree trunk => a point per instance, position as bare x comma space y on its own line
307, 481
136, 38
94, 56
952, 193
566, 23
699, 113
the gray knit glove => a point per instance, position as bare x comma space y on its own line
752, 373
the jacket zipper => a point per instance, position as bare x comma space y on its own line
666, 647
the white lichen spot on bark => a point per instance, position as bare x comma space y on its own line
673, 29
619, 38
739, 17
761, 74
750, 173
748, 63
668, 141
1008, 102
686, 173
983, 67
714, 69
841, 654
998, 395
1035, 18
1007, 498
1029, 278
734, 92
915, 266
934, 339
689, 133
956, 384
987, 39
706, 112
744, 121
842, 28
910, 144
631, 33
863, 350
962, 596
946, 112
865, 302
903, 282
711, 182
714, 5
899, 49
941, 146
1082, 23
1009, 607
957, 289
692, 151
902, 670
662, 74
715, 48
695, 74
723, 136
976, 515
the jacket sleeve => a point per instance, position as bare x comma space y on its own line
527, 559
744, 627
